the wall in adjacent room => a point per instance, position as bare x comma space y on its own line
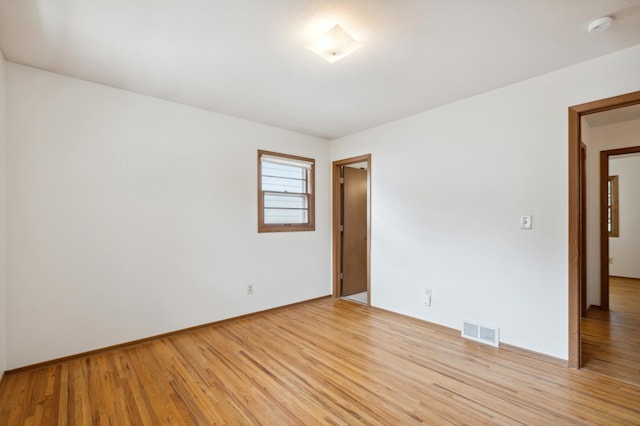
449, 187
131, 216
624, 250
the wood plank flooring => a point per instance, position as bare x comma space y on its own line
321, 362
611, 340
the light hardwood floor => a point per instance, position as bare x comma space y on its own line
321, 362
611, 340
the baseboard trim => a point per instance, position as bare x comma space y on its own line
440, 328
503, 346
151, 338
625, 278
535, 355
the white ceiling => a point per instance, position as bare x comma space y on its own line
246, 58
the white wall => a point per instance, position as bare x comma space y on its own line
597, 139
3, 218
131, 216
625, 249
449, 186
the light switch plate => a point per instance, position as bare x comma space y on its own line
427, 297
526, 222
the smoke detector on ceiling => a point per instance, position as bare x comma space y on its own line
600, 24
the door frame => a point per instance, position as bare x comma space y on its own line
583, 229
575, 113
337, 214
604, 229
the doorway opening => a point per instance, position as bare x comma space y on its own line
352, 229
577, 244
605, 221
610, 330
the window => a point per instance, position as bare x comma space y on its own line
285, 192
612, 206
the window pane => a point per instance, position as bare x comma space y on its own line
279, 184
274, 169
285, 201
275, 216
283, 178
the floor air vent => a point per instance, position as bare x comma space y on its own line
481, 333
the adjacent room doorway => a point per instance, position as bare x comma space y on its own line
576, 236
605, 158
352, 229
610, 331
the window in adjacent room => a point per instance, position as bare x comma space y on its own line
285, 192
612, 206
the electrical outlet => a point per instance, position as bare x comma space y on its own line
526, 222
250, 289
427, 297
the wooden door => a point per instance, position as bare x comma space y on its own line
354, 234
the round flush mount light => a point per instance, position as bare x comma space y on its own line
600, 24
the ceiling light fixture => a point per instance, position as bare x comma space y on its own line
600, 24
334, 45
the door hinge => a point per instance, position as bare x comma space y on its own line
342, 275
342, 180
341, 228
